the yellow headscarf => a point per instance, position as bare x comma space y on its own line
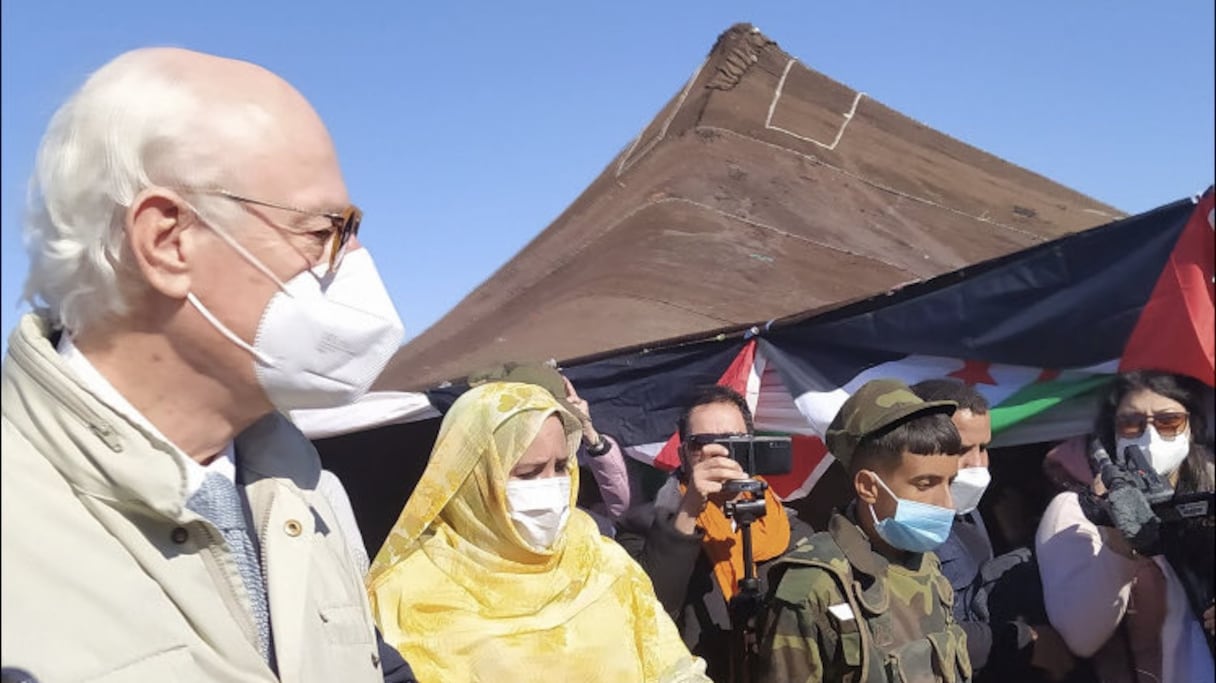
463, 597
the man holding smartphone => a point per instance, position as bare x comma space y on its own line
685, 541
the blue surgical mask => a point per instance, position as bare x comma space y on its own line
915, 527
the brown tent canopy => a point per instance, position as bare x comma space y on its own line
761, 190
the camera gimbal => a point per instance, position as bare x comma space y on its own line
746, 605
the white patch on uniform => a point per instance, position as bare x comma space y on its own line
842, 611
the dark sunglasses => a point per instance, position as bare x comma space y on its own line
345, 223
1132, 425
696, 442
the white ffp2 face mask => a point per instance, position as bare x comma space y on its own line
968, 487
1165, 455
323, 338
539, 509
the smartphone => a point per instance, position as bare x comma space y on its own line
757, 455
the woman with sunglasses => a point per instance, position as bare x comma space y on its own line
1130, 612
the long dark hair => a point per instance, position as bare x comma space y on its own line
1192, 475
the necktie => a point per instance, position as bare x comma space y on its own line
218, 501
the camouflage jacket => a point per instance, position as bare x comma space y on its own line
840, 612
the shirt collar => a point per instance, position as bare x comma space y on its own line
84, 370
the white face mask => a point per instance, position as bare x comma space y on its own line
539, 508
323, 338
1166, 455
968, 487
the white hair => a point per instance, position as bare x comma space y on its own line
135, 123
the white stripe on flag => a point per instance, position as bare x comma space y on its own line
775, 410
754, 377
820, 406
645, 452
805, 488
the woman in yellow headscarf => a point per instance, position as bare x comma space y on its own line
492, 574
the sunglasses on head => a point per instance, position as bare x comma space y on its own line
1132, 425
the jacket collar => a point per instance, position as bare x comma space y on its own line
106, 455
98, 451
856, 546
274, 448
870, 568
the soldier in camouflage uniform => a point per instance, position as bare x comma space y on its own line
865, 601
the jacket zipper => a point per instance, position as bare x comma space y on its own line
82, 412
263, 537
230, 596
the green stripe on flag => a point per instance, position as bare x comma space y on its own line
1038, 397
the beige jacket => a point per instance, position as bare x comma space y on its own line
106, 576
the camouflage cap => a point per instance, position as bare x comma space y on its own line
876, 405
540, 374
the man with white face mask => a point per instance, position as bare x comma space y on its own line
195, 275
999, 650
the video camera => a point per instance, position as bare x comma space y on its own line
1140, 502
1155, 520
757, 455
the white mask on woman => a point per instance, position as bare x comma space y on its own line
1166, 455
539, 509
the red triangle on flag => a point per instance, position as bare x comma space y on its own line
1176, 331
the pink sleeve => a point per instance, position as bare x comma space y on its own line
612, 477
1086, 584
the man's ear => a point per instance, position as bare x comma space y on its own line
157, 225
865, 486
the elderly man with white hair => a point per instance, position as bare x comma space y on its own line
195, 275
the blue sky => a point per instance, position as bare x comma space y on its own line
465, 128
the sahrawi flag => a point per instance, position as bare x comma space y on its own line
1038, 333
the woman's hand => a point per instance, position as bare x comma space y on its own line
583, 412
1209, 619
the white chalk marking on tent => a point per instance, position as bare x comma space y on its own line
608, 227
626, 162
772, 108
877, 185
779, 231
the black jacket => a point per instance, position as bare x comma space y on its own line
684, 580
394, 666
995, 598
